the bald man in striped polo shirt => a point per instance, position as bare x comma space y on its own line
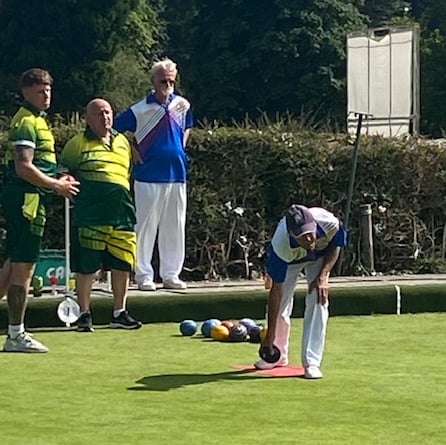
103, 212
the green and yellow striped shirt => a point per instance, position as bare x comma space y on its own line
104, 174
29, 128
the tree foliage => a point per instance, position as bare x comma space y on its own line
80, 42
384, 12
264, 168
432, 16
274, 56
236, 57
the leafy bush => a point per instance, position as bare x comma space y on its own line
242, 178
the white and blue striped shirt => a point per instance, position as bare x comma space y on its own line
284, 249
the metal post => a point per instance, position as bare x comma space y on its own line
367, 257
67, 246
351, 184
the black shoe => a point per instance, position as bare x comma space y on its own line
125, 321
84, 323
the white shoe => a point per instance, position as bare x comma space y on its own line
313, 372
174, 283
23, 343
261, 364
147, 285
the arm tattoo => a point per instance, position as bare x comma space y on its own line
24, 154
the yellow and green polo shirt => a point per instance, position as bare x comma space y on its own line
104, 174
29, 128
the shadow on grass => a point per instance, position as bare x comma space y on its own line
65, 329
166, 382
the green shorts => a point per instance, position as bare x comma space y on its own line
102, 247
23, 235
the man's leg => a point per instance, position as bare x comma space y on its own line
20, 279
120, 285
149, 202
84, 282
283, 325
23, 242
18, 340
315, 321
171, 237
121, 318
5, 275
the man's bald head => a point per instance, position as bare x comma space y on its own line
99, 116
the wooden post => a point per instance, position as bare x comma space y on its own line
367, 257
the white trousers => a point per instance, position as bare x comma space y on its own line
160, 210
315, 315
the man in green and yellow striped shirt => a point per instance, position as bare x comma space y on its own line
103, 212
29, 178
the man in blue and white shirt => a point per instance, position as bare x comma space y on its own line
161, 123
309, 240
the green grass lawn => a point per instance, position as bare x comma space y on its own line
384, 383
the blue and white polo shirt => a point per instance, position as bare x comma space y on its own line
284, 249
159, 130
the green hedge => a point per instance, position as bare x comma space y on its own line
236, 305
242, 178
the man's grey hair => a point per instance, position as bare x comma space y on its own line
163, 65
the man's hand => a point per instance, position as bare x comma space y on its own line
66, 186
321, 282
137, 159
274, 298
269, 355
269, 340
321, 286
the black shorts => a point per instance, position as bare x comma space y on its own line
23, 235
102, 247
